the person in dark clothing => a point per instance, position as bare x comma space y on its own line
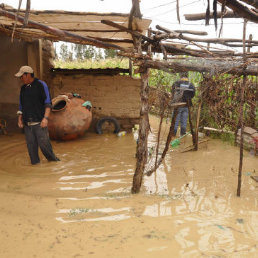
182, 91
34, 109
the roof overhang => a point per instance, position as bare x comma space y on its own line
76, 24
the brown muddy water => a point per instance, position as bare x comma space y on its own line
82, 206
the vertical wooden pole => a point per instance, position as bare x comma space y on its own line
130, 67
241, 117
190, 123
249, 45
162, 110
142, 149
197, 125
252, 106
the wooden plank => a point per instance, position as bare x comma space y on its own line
87, 21
81, 29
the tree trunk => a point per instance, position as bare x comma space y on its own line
218, 67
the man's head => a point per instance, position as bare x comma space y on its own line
26, 74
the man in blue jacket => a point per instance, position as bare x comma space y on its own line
182, 91
34, 110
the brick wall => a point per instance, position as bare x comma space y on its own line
111, 95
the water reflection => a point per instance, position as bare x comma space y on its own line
158, 210
106, 218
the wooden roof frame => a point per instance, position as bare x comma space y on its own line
76, 27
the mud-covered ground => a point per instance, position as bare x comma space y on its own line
82, 206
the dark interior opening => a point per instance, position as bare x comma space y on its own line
59, 105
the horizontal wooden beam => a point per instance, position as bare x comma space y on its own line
202, 16
194, 32
223, 41
133, 32
216, 40
219, 67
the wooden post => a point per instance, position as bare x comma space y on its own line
197, 126
162, 110
249, 45
130, 67
241, 118
191, 124
142, 149
252, 107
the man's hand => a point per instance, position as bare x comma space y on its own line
44, 122
20, 123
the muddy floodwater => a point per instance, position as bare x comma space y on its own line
82, 205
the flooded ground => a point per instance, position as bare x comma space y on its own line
82, 206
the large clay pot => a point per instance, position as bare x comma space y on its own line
68, 119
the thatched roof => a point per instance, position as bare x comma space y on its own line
82, 24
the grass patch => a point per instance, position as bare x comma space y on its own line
89, 64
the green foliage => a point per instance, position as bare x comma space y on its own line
226, 137
109, 53
158, 78
195, 78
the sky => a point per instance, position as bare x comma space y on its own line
162, 12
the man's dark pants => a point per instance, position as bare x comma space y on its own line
37, 136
